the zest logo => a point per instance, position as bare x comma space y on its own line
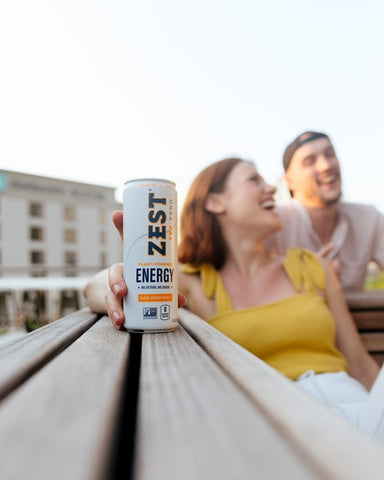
157, 231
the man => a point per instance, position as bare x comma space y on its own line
349, 234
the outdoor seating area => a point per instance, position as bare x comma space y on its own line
81, 400
367, 309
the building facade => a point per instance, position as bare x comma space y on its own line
54, 227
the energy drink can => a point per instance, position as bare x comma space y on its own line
150, 255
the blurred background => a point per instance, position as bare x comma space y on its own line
93, 93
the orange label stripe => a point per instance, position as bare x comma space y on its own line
155, 297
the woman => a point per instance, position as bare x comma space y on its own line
289, 311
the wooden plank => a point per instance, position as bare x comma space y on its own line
374, 341
368, 319
60, 423
21, 357
365, 299
195, 423
337, 449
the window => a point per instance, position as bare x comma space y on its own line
69, 212
37, 257
36, 233
36, 209
38, 272
102, 215
70, 235
70, 259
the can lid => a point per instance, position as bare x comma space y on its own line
150, 180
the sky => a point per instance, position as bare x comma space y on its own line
102, 91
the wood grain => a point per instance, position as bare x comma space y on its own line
365, 299
60, 423
330, 444
21, 357
374, 341
195, 423
369, 319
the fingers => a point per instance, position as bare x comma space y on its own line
325, 250
336, 266
117, 218
116, 280
114, 295
181, 300
114, 309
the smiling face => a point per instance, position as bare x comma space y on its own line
247, 202
313, 175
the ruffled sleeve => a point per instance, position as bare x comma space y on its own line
304, 269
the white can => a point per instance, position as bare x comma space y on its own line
150, 255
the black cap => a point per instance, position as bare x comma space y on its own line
298, 142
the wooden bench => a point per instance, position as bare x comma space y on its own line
82, 401
367, 309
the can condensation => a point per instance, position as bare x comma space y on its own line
150, 255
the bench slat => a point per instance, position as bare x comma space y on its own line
23, 356
370, 299
194, 422
368, 319
60, 423
334, 447
374, 341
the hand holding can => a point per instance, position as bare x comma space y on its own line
150, 255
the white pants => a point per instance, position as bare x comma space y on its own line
349, 398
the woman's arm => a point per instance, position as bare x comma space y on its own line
94, 292
361, 365
105, 291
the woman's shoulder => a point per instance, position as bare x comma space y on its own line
198, 269
195, 285
204, 274
190, 274
305, 268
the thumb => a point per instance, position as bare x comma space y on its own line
117, 218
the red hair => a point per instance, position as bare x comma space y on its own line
201, 240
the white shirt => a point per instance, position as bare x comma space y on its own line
358, 238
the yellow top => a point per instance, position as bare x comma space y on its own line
293, 335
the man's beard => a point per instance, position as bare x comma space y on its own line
331, 201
